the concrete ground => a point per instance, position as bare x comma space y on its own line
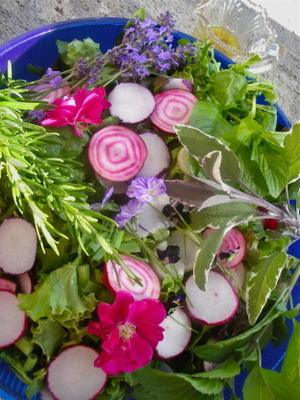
17, 16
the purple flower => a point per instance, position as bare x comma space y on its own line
106, 197
36, 116
54, 81
130, 210
144, 188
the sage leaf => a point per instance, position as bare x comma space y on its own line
190, 193
291, 364
200, 144
292, 145
262, 279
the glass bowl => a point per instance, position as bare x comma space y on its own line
30, 48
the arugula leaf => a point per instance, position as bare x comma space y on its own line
291, 364
220, 351
77, 49
228, 88
59, 298
200, 144
49, 335
262, 279
263, 384
208, 117
292, 145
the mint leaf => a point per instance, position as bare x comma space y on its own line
262, 279
291, 364
208, 117
292, 145
200, 144
228, 369
77, 49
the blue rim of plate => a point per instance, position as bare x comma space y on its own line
11, 388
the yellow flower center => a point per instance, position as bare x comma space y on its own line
127, 330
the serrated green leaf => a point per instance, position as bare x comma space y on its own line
292, 145
263, 384
221, 215
206, 256
291, 364
220, 351
262, 279
200, 144
49, 335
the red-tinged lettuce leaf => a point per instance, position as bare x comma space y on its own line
59, 298
262, 279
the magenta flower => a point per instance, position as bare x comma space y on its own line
77, 110
130, 332
144, 188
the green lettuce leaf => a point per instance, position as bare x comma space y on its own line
49, 335
77, 49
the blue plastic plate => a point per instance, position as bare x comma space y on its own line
38, 47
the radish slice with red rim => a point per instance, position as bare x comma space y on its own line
25, 283
73, 376
117, 153
18, 244
6, 284
13, 320
237, 278
177, 334
117, 279
214, 306
172, 107
178, 83
158, 157
131, 102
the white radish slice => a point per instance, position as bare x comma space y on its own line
178, 83
238, 276
214, 306
46, 395
158, 156
25, 283
13, 320
177, 334
188, 249
183, 160
6, 284
172, 107
131, 102
73, 376
117, 279
18, 243
117, 153
151, 219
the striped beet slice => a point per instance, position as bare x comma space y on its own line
172, 107
117, 279
117, 153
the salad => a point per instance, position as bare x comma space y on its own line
148, 200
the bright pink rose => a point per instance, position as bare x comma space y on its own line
77, 110
129, 330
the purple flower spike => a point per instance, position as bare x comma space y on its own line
144, 188
131, 209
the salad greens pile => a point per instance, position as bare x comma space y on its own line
232, 166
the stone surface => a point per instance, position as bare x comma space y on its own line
17, 16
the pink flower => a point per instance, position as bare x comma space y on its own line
129, 330
77, 110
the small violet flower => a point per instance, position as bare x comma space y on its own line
106, 197
77, 110
128, 211
144, 188
130, 331
53, 82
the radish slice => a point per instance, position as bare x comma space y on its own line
151, 219
214, 306
177, 334
117, 279
6, 284
238, 276
46, 395
25, 283
158, 156
172, 107
178, 83
13, 320
73, 376
188, 249
117, 153
119, 187
183, 161
131, 102
18, 243
233, 247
